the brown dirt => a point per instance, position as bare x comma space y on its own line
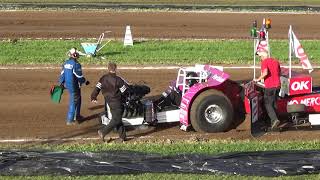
26, 110
81, 24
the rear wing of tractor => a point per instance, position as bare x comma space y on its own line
91, 49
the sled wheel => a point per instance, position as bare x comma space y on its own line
211, 111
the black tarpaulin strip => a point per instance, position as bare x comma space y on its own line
262, 163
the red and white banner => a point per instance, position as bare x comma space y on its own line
297, 50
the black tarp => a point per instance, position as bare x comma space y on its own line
263, 163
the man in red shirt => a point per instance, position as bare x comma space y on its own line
270, 72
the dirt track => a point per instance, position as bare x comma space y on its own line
81, 24
26, 111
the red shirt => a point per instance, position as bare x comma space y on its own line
272, 80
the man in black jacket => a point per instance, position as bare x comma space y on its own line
113, 88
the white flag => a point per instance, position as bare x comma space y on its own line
298, 52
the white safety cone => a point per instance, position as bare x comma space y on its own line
128, 41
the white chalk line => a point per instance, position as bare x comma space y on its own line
133, 67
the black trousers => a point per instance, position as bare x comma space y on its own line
270, 97
173, 98
116, 120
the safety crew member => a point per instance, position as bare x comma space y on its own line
113, 89
270, 72
71, 78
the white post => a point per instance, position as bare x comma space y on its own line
267, 39
290, 44
254, 58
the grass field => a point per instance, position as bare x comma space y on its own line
198, 2
173, 52
208, 147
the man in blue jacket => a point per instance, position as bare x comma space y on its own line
71, 78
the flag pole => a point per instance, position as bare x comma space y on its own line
267, 38
254, 58
290, 46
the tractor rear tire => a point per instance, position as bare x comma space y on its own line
211, 112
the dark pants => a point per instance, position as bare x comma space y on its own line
173, 98
116, 120
270, 96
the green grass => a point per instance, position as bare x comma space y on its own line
200, 2
188, 146
153, 52
209, 147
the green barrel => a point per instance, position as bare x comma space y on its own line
56, 94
